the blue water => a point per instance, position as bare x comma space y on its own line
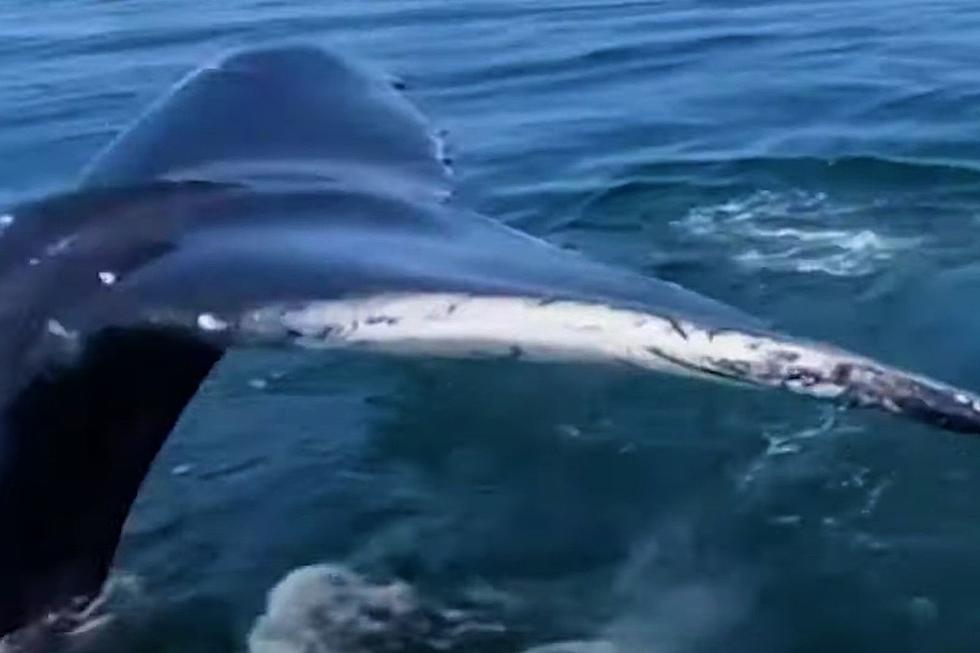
813, 162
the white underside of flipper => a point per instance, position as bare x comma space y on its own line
534, 329
465, 326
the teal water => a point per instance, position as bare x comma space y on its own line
816, 163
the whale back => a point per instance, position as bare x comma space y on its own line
287, 114
85, 411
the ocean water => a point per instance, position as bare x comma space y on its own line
814, 162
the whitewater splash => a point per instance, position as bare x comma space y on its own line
330, 609
796, 231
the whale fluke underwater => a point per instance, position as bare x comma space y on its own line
286, 197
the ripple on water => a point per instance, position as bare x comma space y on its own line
796, 231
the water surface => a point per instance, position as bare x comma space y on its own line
813, 162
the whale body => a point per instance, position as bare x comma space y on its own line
286, 197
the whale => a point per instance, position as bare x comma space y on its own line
287, 196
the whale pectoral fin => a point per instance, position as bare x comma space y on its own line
532, 328
77, 442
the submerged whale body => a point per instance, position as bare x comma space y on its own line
286, 197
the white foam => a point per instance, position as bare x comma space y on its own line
795, 232
330, 609
786, 445
327, 609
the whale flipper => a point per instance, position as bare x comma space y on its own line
285, 197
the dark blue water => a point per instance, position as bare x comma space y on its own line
817, 163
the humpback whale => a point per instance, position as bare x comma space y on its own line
286, 197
